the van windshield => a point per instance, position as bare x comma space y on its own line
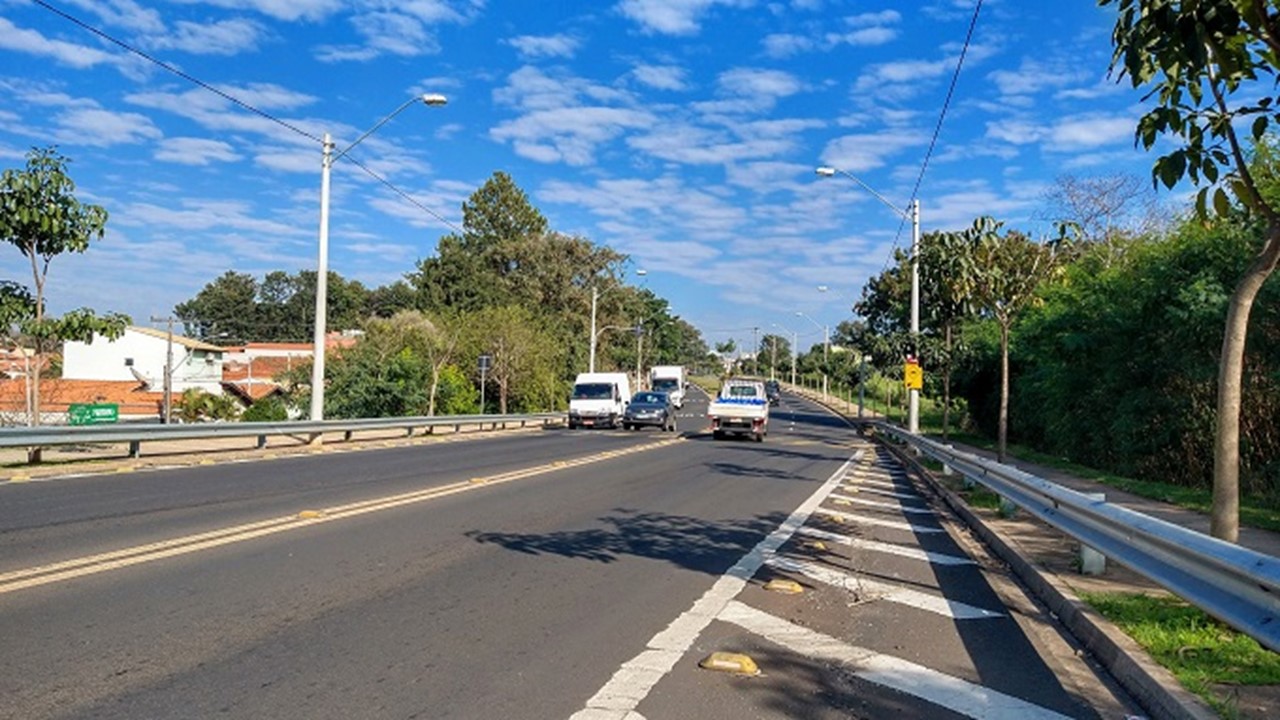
666, 384
593, 391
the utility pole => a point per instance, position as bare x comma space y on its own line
773, 357
639, 337
167, 412
755, 351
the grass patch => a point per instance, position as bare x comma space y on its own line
1197, 649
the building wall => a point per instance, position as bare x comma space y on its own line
106, 360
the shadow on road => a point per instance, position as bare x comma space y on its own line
707, 546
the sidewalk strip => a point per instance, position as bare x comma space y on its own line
888, 548
620, 696
947, 691
874, 590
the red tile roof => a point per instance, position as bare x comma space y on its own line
57, 394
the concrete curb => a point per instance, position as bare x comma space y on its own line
1150, 684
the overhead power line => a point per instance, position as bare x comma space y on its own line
185, 76
238, 102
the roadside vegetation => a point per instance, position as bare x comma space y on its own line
1207, 657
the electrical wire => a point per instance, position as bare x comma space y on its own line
238, 102
189, 78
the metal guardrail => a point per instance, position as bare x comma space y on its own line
136, 434
1237, 585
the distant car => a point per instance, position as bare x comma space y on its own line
773, 391
650, 408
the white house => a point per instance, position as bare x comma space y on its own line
140, 355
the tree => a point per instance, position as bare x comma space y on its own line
1197, 56
947, 270
1106, 209
473, 270
41, 217
1008, 269
524, 358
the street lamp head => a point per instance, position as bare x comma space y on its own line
825, 171
822, 288
434, 99
641, 272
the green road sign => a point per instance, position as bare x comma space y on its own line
93, 413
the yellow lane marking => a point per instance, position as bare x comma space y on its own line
92, 564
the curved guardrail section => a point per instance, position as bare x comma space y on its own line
136, 434
1237, 585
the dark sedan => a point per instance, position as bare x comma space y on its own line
650, 408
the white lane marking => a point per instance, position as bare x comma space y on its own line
866, 520
876, 590
887, 548
619, 697
883, 493
947, 691
862, 483
887, 506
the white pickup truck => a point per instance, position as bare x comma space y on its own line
741, 408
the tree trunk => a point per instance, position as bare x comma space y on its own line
1224, 516
946, 385
35, 454
431, 395
1004, 390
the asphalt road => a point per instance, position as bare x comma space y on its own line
545, 574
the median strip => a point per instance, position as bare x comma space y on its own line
92, 564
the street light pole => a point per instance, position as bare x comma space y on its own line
591, 364
826, 348
913, 416
322, 264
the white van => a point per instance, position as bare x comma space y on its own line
598, 399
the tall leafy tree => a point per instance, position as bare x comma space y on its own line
948, 270
474, 270
1211, 67
1009, 268
41, 217
525, 368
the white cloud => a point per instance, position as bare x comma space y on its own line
661, 77
783, 45
225, 37
195, 151
123, 13
196, 214
867, 151
672, 17
103, 128
544, 46
32, 42
569, 135
1087, 132
759, 82
287, 10
884, 17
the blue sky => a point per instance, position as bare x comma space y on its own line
684, 133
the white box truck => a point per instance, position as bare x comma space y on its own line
670, 380
598, 399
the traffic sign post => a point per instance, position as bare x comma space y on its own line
913, 374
